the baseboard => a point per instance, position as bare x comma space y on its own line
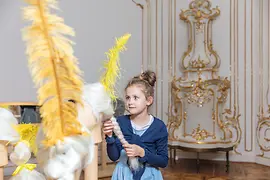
218, 156
263, 160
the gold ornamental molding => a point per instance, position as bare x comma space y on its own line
153, 45
200, 16
263, 125
148, 18
201, 86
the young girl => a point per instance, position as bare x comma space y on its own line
147, 135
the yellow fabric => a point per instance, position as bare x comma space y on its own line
28, 133
54, 70
4, 106
111, 65
30, 167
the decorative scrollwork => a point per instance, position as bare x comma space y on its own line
200, 134
232, 122
199, 16
201, 86
263, 134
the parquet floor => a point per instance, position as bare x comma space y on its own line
214, 170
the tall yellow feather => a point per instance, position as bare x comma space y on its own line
111, 65
54, 70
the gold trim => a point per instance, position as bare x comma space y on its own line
237, 54
142, 31
199, 142
149, 14
263, 120
245, 72
251, 76
236, 74
199, 14
156, 24
200, 134
174, 46
169, 64
196, 87
231, 52
19, 104
171, 36
234, 44
162, 61
245, 82
185, 120
260, 57
268, 44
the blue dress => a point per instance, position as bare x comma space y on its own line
122, 170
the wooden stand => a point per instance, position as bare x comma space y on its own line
88, 119
91, 171
3, 158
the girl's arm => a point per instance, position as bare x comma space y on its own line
114, 148
160, 158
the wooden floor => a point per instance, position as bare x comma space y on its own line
209, 170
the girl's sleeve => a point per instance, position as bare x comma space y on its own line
114, 147
160, 158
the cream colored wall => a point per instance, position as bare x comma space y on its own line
96, 24
242, 42
261, 85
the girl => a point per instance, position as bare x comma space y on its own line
147, 135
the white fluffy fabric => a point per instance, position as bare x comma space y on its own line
26, 174
21, 154
7, 132
96, 96
74, 153
64, 159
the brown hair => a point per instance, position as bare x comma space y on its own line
147, 79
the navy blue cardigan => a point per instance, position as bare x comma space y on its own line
154, 141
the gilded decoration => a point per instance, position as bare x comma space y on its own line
201, 87
263, 134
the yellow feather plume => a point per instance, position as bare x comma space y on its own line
111, 65
54, 70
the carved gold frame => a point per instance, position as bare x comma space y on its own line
199, 18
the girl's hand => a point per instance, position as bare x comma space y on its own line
108, 128
134, 150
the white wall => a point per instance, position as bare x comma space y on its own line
96, 24
240, 52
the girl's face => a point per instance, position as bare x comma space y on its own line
136, 102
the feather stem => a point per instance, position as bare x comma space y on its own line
52, 55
